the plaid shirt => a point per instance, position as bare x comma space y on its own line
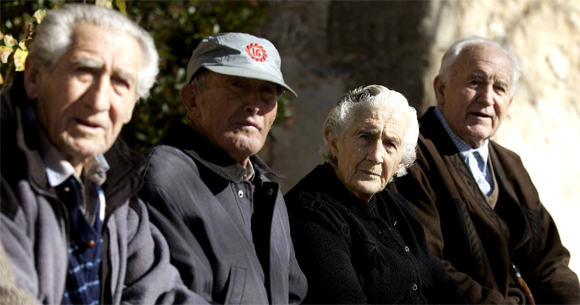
476, 164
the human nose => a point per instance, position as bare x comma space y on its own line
375, 152
486, 95
97, 98
252, 102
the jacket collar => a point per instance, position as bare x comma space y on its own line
333, 187
124, 178
434, 129
185, 138
21, 133
324, 181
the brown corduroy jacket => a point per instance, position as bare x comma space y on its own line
477, 243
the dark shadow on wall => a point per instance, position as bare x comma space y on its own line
381, 42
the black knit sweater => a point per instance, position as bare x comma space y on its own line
354, 251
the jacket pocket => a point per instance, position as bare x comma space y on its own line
236, 285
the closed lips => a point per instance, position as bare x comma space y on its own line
88, 124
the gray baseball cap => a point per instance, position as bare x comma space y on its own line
238, 54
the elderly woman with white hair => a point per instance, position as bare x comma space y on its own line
356, 241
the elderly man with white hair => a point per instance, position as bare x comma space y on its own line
357, 242
481, 212
73, 228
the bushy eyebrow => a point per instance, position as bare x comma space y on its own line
477, 75
368, 130
86, 62
97, 65
124, 75
502, 83
481, 76
392, 139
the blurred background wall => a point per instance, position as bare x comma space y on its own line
329, 47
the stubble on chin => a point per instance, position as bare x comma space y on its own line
81, 148
245, 143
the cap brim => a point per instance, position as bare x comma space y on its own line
233, 71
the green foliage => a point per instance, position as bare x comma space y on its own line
177, 27
14, 46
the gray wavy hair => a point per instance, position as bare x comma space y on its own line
373, 97
458, 46
54, 37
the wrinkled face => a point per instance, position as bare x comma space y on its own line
90, 93
477, 98
234, 113
370, 152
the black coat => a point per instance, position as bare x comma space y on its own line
354, 251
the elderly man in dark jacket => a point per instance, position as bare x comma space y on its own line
225, 222
73, 228
481, 212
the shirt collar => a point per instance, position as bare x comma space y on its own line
58, 170
250, 172
464, 149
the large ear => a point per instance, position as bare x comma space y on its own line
439, 88
189, 97
31, 80
332, 140
401, 165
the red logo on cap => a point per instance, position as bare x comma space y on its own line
256, 52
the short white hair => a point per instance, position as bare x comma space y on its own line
54, 37
372, 97
458, 46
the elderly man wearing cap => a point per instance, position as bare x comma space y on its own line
225, 222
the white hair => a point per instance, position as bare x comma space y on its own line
458, 46
372, 97
54, 37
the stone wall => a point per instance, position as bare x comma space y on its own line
329, 47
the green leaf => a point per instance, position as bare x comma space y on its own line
141, 136
9, 41
105, 3
39, 15
19, 59
22, 44
5, 53
122, 6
